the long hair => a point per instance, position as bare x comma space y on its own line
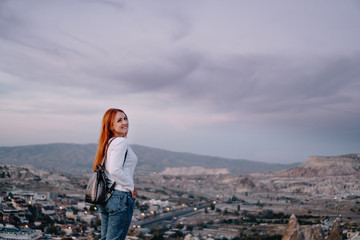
105, 134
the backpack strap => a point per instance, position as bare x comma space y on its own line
105, 153
125, 157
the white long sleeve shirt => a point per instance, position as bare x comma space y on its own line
115, 169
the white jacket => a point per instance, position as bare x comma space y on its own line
115, 169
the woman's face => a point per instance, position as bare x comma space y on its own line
120, 125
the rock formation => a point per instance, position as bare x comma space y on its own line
313, 232
244, 184
191, 237
322, 166
294, 231
336, 232
326, 176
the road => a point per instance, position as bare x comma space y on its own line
169, 216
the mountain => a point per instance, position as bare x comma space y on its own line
323, 166
72, 158
78, 158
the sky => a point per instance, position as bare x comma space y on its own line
274, 81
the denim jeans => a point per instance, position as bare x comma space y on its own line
116, 216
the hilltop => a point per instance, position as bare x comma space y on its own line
322, 166
327, 176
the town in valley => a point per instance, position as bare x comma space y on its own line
45, 204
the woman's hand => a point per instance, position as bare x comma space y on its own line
134, 193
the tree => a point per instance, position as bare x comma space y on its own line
259, 204
55, 230
83, 226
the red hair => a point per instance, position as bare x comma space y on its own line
105, 134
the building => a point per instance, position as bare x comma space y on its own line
11, 232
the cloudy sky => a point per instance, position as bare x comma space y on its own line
274, 81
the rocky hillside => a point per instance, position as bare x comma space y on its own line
78, 158
322, 166
30, 178
322, 175
294, 231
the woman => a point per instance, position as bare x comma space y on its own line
119, 167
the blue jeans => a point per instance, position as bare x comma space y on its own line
116, 216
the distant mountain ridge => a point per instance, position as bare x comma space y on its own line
78, 159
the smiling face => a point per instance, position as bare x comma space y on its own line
120, 125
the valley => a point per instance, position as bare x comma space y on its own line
197, 202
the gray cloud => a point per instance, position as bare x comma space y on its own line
279, 90
276, 83
235, 68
